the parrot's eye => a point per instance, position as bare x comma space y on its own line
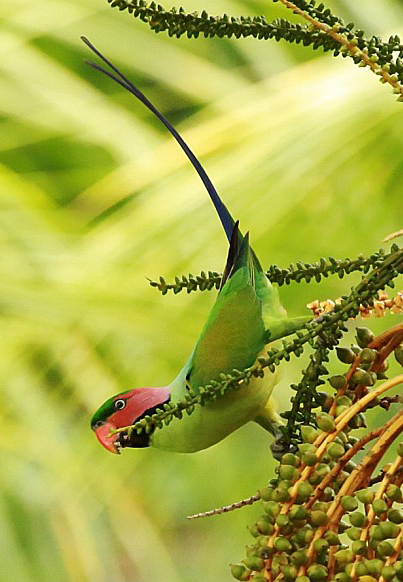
99, 423
120, 404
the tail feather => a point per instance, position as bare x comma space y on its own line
226, 219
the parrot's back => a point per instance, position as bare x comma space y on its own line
233, 337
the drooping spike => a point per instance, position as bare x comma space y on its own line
226, 219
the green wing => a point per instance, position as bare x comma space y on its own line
234, 333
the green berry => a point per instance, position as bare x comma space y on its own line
325, 422
395, 516
377, 533
353, 533
307, 448
320, 545
317, 573
290, 572
266, 493
394, 493
282, 544
254, 563
388, 572
299, 558
345, 355
282, 520
357, 519
309, 459
384, 549
335, 450
305, 490
302, 579
304, 535
365, 496
367, 355
374, 567
239, 572
337, 382
290, 459
332, 538
272, 508
390, 530
264, 527
359, 547
318, 518
309, 434
288, 472
364, 336
281, 494
344, 556
361, 377
298, 513
349, 503
379, 506
361, 568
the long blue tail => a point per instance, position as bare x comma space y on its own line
225, 217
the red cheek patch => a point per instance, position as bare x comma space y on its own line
137, 402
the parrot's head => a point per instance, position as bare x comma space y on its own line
125, 409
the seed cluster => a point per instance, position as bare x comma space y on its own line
326, 516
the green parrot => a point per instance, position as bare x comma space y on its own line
245, 317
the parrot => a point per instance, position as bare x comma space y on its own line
245, 317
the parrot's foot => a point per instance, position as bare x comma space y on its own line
279, 446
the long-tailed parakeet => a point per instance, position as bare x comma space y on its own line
246, 314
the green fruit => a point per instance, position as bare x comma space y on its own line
385, 549
367, 355
364, 336
272, 508
332, 538
365, 496
320, 545
282, 544
309, 434
394, 493
349, 503
395, 516
299, 558
309, 459
344, 556
305, 490
254, 563
357, 519
290, 572
318, 518
374, 567
239, 572
345, 355
264, 527
266, 493
337, 382
361, 377
290, 459
379, 506
353, 533
335, 450
359, 547
325, 422
388, 572
317, 572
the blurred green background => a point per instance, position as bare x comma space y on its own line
306, 151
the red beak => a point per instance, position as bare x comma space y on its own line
107, 441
